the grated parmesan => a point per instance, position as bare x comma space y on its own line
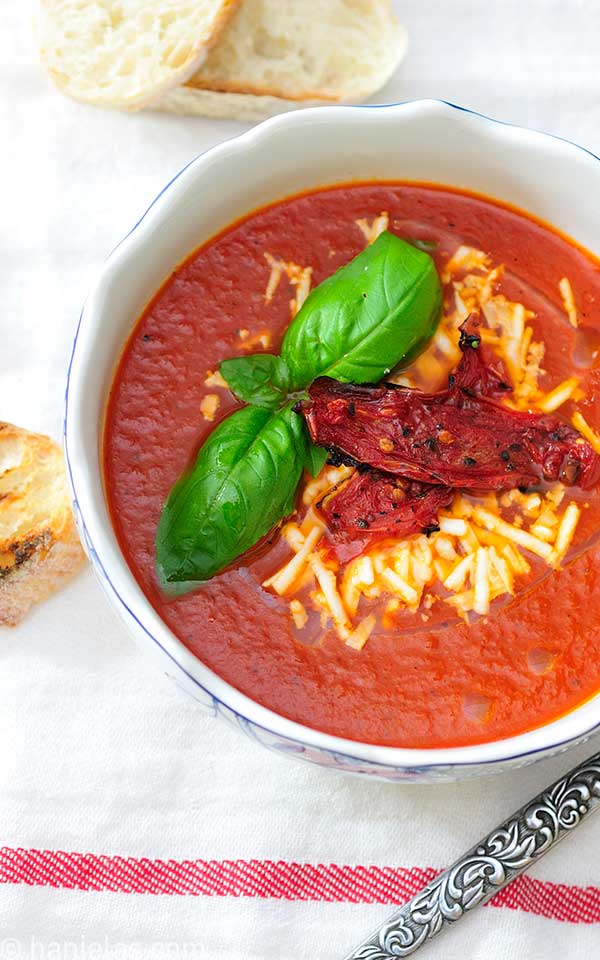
566, 293
371, 229
555, 399
298, 277
209, 405
215, 379
581, 424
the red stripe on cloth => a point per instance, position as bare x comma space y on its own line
278, 880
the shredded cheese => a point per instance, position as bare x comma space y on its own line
457, 577
214, 379
328, 478
457, 527
566, 532
511, 532
566, 293
581, 424
361, 633
400, 586
261, 339
465, 258
299, 614
504, 572
298, 277
332, 600
209, 405
283, 580
474, 558
515, 559
371, 229
481, 590
555, 399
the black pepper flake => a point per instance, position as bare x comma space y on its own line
504, 386
406, 431
336, 516
469, 462
554, 436
432, 528
514, 446
430, 443
505, 455
451, 380
510, 467
146, 337
362, 523
351, 408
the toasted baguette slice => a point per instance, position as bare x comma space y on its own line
39, 548
125, 53
278, 54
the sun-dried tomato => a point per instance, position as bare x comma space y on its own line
462, 437
372, 506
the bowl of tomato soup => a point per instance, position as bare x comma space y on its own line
333, 434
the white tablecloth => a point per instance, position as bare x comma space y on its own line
98, 753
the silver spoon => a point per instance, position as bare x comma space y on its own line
490, 865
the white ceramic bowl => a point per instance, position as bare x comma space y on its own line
424, 141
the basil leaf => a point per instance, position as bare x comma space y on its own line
261, 379
243, 482
313, 457
359, 323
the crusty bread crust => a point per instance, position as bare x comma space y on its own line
187, 101
99, 52
39, 548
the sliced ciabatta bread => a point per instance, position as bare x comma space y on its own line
227, 106
278, 54
125, 53
39, 548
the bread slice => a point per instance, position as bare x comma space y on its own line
227, 106
39, 548
275, 55
125, 53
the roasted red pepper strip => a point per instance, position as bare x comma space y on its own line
371, 506
456, 438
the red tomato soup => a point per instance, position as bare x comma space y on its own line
433, 672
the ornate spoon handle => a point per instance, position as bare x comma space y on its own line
491, 864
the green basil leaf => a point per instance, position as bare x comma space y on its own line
362, 321
313, 457
243, 482
261, 379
